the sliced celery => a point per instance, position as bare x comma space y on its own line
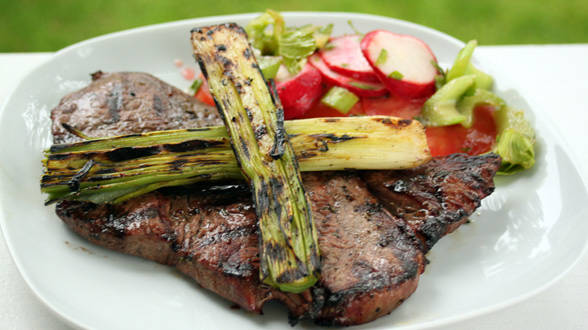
440, 109
462, 61
340, 99
467, 105
269, 66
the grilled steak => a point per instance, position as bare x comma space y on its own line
374, 227
126, 103
436, 198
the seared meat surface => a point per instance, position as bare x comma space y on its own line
436, 198
125, 103
374, 227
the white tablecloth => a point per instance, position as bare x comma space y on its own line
556, 77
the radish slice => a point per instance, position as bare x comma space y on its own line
345, 57
299, 93
359, 88
405, 64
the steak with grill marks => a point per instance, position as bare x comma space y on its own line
374, 227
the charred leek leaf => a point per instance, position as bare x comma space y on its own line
254, 120
128, 166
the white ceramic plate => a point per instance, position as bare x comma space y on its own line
525, 236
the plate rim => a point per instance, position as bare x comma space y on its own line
76, 322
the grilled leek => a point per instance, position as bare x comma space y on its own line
127, 166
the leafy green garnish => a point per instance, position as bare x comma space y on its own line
362, 85
293, 44
515, 141
355, 30
440, 77
396, 75
261, 37
382, 57
322, 35
196, 85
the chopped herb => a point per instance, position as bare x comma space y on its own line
196, 85
382, 57
396, 75
344, 65
440, 79
355, 30
362, 85
329, 46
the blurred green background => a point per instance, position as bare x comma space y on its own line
48, 25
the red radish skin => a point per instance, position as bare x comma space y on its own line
299, 93
405, 54
345, 57
333, 78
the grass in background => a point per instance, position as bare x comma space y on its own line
48, 25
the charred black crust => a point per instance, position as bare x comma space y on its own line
247, 53
411, 189
191, 145
281, 137
394, 124
96, 75
128, 153
74, 183
332, 137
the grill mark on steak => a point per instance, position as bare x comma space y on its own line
372, 245
437, 197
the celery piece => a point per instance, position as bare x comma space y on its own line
515, 141
340, 99
462, 61
440, 109
463, 66
269, 65
483, 80
481, 96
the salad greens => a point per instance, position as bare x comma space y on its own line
463, 88
460, 89
290, 44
